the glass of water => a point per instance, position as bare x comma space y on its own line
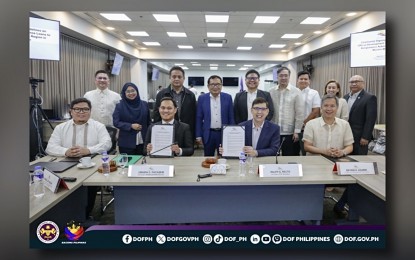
123, 162
250, 163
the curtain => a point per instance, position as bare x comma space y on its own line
73, 75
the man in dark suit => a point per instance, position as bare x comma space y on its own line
184, 98
262, 138
182, 135
214, 110
243, 100
362, 114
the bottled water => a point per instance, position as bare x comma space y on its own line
105, 164
37, 182
242, 164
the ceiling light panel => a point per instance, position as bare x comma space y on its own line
292, 36
266, 19
244, 48
185, 46
171, 18
215, 45
216, 18
277, 46
177, 34
137, 33
151, 43
254, 35
115, 17
315, 20
215, 34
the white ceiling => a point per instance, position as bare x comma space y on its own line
195, 27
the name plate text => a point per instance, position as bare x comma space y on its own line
356, 168
150, 170
280, 170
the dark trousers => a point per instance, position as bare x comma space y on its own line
92, 193
289, 147
138, 150
301, 143
215, 139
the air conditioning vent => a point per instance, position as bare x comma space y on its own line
223, 41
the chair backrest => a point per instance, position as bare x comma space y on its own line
112, 131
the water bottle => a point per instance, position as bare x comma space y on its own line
105, 164
242, 164
37, 182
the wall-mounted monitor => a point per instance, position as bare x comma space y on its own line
44, 39
230, 81
196, 81
368, 49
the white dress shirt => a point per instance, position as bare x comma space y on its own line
312, 100
103, 104
250, 97
288, 109
63, 138
215, 114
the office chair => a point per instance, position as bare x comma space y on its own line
112, 131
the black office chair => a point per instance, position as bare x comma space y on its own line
112, 131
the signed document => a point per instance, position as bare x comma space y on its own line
162, 136
233, 140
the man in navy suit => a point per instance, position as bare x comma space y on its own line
214, 110
243, 100
362, 114
262, 137
183, 137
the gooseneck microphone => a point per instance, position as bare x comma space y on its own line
279, 150
144, 161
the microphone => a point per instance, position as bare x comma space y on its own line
279, 150
144, 161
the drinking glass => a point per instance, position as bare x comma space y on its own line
250, 163
123, 162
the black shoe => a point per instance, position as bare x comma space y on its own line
339, 211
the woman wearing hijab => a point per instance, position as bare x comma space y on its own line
132, 117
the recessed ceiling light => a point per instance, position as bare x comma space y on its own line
254, 35
143, 48
178, 64
292, 36
248, 65
172, 18
137, 33
317, 32
216, 18
185, 46
151, 43
215, 34
215, 44
115, 17
230, 65
351, 14
213, 68
110, 28
243, 68
315, 20
298, 43
185, 68
266, 19
245, 48
177, 34
284, 50
277, 46
196, 64
213, 65
130, 40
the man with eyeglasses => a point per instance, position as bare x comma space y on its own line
78, 137
214, 110
288, 112
184, 98
103, 100
243, 100
362, 114
262, 137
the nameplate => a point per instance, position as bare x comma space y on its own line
280, 170
218, 168
150, 170
52, 181
356, 168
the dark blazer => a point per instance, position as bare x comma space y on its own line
362, 116
187, 113
241, 110
182, 135
203, 114
268, 141
123, 120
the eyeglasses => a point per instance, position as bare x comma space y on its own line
102, 78
215, 85
252, 78
130, 91
166, 108
262, 109
79, 109
355, 81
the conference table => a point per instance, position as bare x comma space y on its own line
221, 198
